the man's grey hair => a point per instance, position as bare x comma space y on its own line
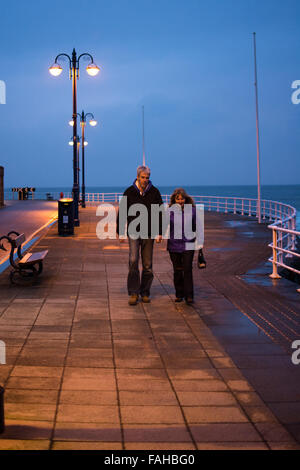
143, 169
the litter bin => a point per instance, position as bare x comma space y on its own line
1, 409
65, 217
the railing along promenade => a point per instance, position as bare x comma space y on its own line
281, 218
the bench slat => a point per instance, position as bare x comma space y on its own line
32, 258
19, 240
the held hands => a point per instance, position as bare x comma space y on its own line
158, 239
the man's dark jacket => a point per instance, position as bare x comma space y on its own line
150, 196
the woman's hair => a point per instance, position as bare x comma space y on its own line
183, 193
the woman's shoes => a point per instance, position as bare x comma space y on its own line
188, 300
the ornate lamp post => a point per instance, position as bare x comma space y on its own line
92, 70
93, 123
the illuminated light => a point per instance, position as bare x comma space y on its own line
71, 123
93, 122
92, 69
71, 143
85, 143
55, 70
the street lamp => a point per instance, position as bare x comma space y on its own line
93, 123
92, 70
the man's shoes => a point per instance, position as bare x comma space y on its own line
133, 299
178, 299
145, 299
189, 300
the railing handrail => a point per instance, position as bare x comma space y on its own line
280, 229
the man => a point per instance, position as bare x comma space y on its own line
143, 193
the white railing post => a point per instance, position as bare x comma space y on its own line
280, 246
274, 274
290, 238
294, 236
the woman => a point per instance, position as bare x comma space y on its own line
178, 245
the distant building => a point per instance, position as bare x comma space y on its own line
1, 186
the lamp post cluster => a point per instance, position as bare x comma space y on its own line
92, 70
84, 143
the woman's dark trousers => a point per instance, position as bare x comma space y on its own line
183, 273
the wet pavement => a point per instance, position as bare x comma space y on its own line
87, 371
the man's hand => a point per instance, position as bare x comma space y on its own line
158, 239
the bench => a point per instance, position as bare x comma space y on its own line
25, 267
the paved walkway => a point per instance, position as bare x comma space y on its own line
87, 371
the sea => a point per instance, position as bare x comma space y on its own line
288, 194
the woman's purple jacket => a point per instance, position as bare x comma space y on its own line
178, 245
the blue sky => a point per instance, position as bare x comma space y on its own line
190, 63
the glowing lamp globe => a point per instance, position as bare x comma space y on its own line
92, 69
55, 70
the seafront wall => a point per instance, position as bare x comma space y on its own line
1, 186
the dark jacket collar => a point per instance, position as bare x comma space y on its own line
146, 190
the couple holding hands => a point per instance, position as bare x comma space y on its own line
180, 246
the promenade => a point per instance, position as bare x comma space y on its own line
84, 370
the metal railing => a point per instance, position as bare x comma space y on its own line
283, 244
96, 198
